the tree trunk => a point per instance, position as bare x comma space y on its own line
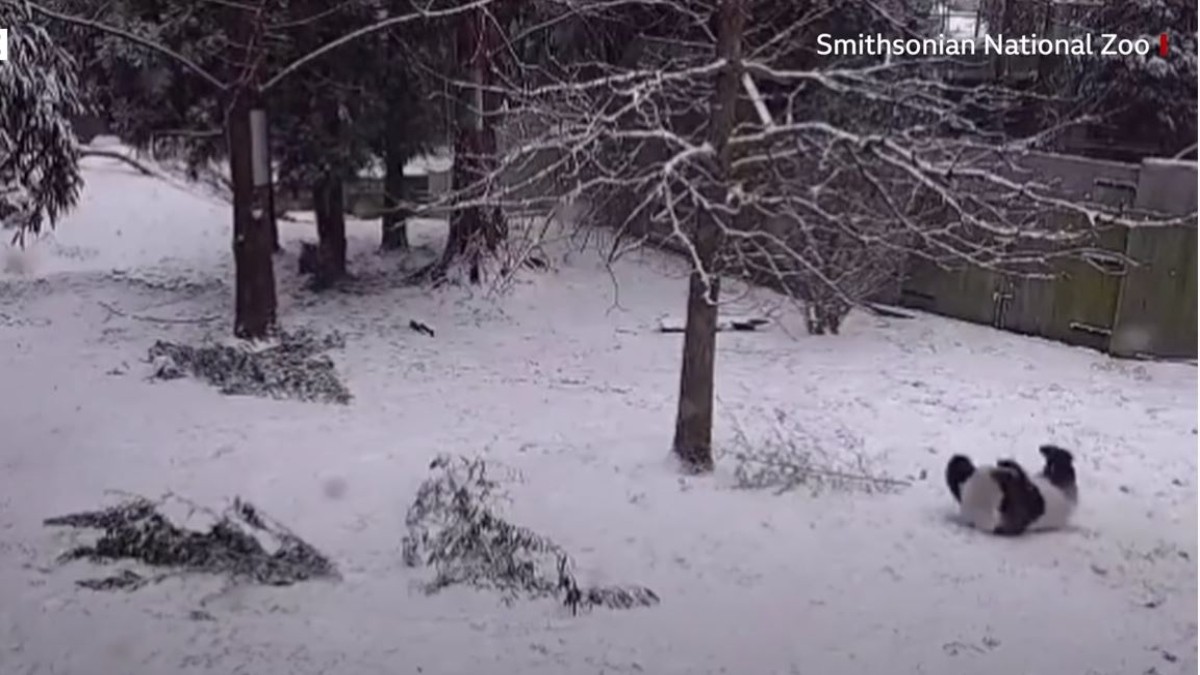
395, 228
823, 317
329, 204
254, 306
254, 268
475, 231
394, 221
330, 210
694, 418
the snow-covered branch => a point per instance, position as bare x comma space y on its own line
39, 173
840, 170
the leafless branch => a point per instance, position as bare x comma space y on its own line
820, 201
155, 319
109, 154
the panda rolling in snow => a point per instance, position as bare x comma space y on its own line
1005, 500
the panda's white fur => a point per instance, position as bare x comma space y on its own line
1005, 499
981, 497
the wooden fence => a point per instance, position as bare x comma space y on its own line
1139, 310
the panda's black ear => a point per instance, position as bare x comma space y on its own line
1056, 455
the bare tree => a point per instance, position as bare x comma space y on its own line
694, 418
823, 175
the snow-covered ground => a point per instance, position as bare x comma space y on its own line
566, 380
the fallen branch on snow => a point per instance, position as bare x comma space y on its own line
110, 154
241, 543
886, 311
155, 319
453, 528
743, 324
292, 368
794, 457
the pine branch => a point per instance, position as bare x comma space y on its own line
137, 39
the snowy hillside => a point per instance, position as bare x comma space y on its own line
567, 380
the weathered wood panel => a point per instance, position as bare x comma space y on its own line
963, 293
1157, 310
1030, 306
1144, 309
1085, 297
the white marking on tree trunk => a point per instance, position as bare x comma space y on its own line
260, 155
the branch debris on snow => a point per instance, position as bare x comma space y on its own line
453, 528
792, 456
293, 368
242, 543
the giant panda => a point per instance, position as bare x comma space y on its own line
1005, 500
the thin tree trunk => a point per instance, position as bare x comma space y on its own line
330, 210
694, 418
395, 228
329, 206
394, 221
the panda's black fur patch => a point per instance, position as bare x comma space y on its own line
1021, 499
1022, 502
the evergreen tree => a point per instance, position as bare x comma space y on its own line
412, 120
1147, 101
321, 119
147, 97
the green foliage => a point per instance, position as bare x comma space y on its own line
39, 173
328, 117
149, 100
413, 101
320, 114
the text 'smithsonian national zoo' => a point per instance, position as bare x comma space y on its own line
1104, 44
